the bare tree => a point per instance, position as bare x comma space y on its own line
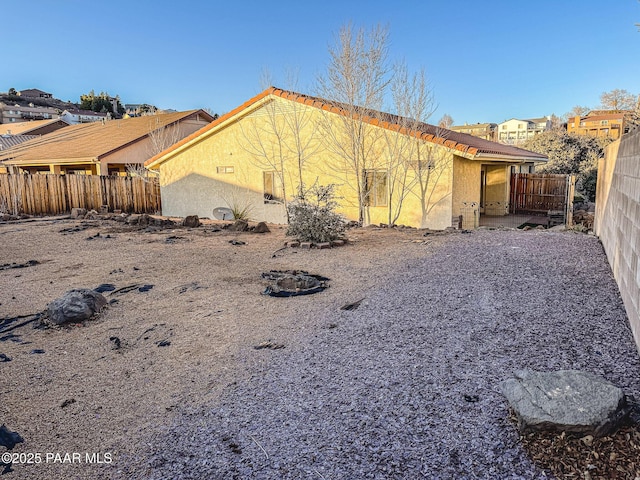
413, 103
355, 82
446, 121
302, 141
160, 137
281, 138
433, 163
556, 122
577, 111
618, 99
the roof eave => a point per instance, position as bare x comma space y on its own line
51, 161
208, 130
509, 158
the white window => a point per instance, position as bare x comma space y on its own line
227, 169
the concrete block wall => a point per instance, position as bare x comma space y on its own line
617, 219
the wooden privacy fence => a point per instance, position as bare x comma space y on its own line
541, 193
55, 194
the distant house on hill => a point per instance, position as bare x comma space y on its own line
34, 93
516, 131
74, 117
99, 148
601, 123
16, 113
480, 130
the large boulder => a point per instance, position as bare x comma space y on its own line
564, 400
75, 306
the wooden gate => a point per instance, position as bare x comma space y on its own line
542, 193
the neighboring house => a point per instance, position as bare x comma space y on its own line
600, 123
74, 117
34, 93
103, 149
220, 165
516, 131
36, 127
16, 113
480, 130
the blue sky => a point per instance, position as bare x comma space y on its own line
486, 60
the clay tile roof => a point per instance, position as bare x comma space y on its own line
93, 140
456, 140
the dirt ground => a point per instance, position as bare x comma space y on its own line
102, 387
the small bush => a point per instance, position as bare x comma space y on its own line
237, 199
312, 216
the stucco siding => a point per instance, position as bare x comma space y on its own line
466, 187
497, 190
191, 182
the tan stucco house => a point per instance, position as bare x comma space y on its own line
257, 155
103, 148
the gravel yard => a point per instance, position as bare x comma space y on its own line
404, 386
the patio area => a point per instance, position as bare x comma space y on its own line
512, 221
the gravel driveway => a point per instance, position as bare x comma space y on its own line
406, 385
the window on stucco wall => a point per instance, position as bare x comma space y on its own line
271, 191
375, 184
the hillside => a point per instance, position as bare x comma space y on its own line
40, 102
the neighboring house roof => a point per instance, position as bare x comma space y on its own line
539, 120
592, 113
462, 142
90, 113
91, 141
473, 126
517, 120
8, 141
32, 128
595, 118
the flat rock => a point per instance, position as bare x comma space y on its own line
564, 400
75, 306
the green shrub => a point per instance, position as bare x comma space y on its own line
312, 216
